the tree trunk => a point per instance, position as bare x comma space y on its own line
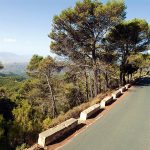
121, 78
140, 72
122, 74
99, 82
128, 77
91, 89
131, 77
95, 79
124, 78
95, 71
54, 110
100, 86
87, 85
106, 80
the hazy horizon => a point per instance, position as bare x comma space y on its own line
26, 24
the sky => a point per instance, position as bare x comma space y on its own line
25, 24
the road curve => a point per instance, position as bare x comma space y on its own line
125, 127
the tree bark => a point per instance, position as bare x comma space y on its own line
124, 79
54, 110
140, 72
99, 83
95, 71
106, 79
120, 77
91, 89
128, 75
87, 85
95, 80
122, 74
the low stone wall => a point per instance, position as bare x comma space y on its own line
106, 101
123, 89
127, 86
52, 134
102, 104
116, 94
89, 112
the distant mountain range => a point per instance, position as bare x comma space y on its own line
7, 57
14, 63
14, 68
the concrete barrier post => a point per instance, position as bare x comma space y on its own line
52, 134
89, 112
122, 90
102, 104
116, 94
127, 86
108, 99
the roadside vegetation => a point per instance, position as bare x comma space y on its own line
98, 51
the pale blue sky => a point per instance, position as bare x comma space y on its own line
25, 24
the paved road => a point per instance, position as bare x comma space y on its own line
125, 127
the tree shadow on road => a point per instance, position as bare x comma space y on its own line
68, 134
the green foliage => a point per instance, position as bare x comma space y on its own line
22, 146
78, 30
21, 114
9, 87
27, 122
75, 97
34, 62
46, 123
33, 65
128, 38
1, 126
8, 82
146, 60
2, 93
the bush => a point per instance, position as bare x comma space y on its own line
74, 112
22, 146
46, 123
1, 126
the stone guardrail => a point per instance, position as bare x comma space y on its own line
116, 94
105, 101
102, 104
127, 86
123, 89
89, 112
52, 134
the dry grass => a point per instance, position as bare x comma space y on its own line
75, 112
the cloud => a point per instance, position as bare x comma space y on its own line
9, 40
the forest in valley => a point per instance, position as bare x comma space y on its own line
97, 50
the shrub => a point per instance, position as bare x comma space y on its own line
22, 146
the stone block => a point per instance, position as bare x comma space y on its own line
52, 134
89, 112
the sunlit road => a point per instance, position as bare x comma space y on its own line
125, 127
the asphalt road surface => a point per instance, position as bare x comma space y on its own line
125, 127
